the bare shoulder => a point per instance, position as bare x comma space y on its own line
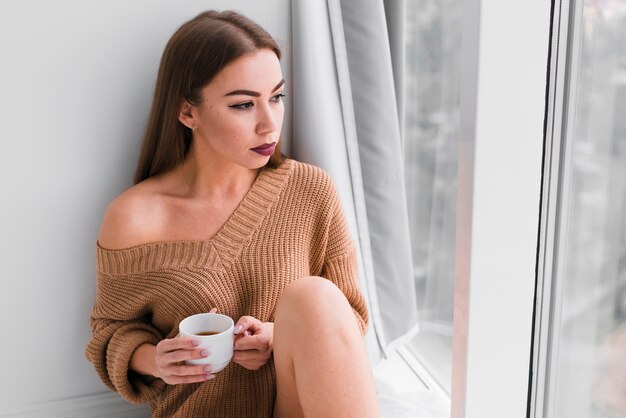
132, 218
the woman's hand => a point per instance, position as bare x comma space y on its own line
253, 342
170, 361
166, 360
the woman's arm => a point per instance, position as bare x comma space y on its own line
143, 360
340, 262
127, 350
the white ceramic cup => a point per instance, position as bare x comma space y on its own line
220, 345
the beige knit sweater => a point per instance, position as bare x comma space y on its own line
289, 225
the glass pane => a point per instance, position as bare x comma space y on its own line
590, 378
431, 135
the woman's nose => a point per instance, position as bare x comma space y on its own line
267, 120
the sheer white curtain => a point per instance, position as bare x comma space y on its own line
345, 120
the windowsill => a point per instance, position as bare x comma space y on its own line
406, 390
435, 350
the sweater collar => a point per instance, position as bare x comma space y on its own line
217, 252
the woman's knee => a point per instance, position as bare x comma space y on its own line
311, 289
312, 294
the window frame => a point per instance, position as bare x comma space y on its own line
556, 185
503, 99
562, 101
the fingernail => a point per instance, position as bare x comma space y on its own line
207, 368
205, 353
238, 329
209, 376
195, 342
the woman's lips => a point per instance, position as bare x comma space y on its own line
265, 149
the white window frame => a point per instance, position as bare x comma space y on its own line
562, 98
503, 88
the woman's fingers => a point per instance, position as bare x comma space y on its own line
189, 370
178, 343
188, 374
246, 323
178, 349
250, 359
182, 355
260, 339
252, 342
176, 373
170, 360
171, 355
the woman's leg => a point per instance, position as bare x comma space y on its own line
322, 367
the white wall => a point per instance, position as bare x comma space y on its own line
76, 80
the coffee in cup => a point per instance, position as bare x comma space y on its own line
215, 333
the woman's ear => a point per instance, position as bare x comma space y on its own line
186, 115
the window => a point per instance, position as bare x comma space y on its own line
473, 132
431, 131
585, 347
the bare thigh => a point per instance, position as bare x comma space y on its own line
321, 363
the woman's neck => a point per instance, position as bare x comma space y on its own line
200, 176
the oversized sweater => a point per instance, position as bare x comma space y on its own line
289, 225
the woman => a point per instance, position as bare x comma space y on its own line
219, 220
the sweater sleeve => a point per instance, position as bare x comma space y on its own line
340, 263
117, 330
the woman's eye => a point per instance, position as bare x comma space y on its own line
243, 106
278, 97
248, 105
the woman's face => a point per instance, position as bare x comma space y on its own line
241, 114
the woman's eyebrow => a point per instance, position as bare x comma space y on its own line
253, 93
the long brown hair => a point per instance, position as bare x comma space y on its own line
196, 52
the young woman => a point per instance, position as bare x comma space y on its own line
219, 220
